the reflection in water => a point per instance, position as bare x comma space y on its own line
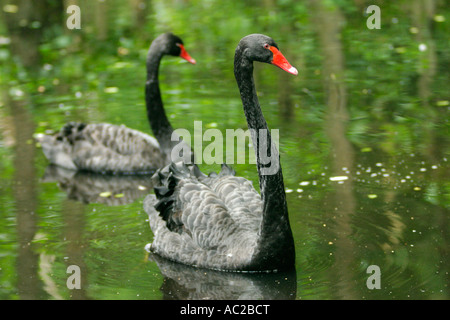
25, 39
25, 199
74, 232
111, 190
183, 282
422, 13
86, 188
342, 200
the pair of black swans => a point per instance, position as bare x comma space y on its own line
215, 221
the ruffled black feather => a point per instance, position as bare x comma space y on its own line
70, 131
169, 177
166, 191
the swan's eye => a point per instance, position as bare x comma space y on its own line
266, 46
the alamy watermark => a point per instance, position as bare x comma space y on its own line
74, 280
374, 280
74, 20
213, 153
374, 21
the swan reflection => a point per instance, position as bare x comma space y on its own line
182, 282
111, 190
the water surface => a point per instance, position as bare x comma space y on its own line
363, 145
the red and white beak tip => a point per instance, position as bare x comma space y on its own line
280, 61
186, 55
293, 70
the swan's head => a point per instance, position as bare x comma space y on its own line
173, 45
259, 47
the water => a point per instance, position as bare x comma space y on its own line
363, 144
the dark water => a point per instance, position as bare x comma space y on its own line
363, 144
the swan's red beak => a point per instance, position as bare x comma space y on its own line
186, 55
280, 61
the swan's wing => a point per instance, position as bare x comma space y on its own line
87, 187
119, 139
193, 208
103, 147
197, 219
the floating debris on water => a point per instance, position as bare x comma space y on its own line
111, 90
339, 178
439, 18
442, 103
211, 125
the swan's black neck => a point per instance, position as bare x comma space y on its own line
276, 245
156, 115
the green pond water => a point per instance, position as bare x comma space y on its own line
363, 136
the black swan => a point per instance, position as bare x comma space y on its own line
220, 221
109, 148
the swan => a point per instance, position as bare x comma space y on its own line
219, 221
108, 148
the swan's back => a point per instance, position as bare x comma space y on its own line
206, 221
103, 148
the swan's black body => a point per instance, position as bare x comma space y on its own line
219, 221
109, 148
